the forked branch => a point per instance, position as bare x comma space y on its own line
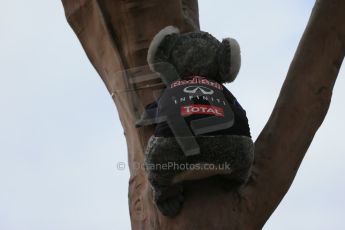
116, 35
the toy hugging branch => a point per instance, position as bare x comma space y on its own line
200, 128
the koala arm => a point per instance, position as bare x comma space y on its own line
241, 120
232, 100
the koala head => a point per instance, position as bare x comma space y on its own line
194, 54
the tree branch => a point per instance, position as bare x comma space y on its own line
116, 34
300, 110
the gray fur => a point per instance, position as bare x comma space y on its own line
156, 41
237, 151
195, 54
176, 56
229, 53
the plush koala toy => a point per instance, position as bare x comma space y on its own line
200, 128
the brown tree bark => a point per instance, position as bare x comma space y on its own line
116, 34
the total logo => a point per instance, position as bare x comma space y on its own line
202, 109
198, 89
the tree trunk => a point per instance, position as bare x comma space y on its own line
116, 34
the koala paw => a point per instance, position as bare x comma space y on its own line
169, 200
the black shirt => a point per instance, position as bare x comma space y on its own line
197, 106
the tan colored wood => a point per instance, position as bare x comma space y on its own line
116, 34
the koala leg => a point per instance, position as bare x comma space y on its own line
169, 200
166, 165
239, 177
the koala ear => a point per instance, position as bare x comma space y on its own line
159, 53
157, 50
229, 59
